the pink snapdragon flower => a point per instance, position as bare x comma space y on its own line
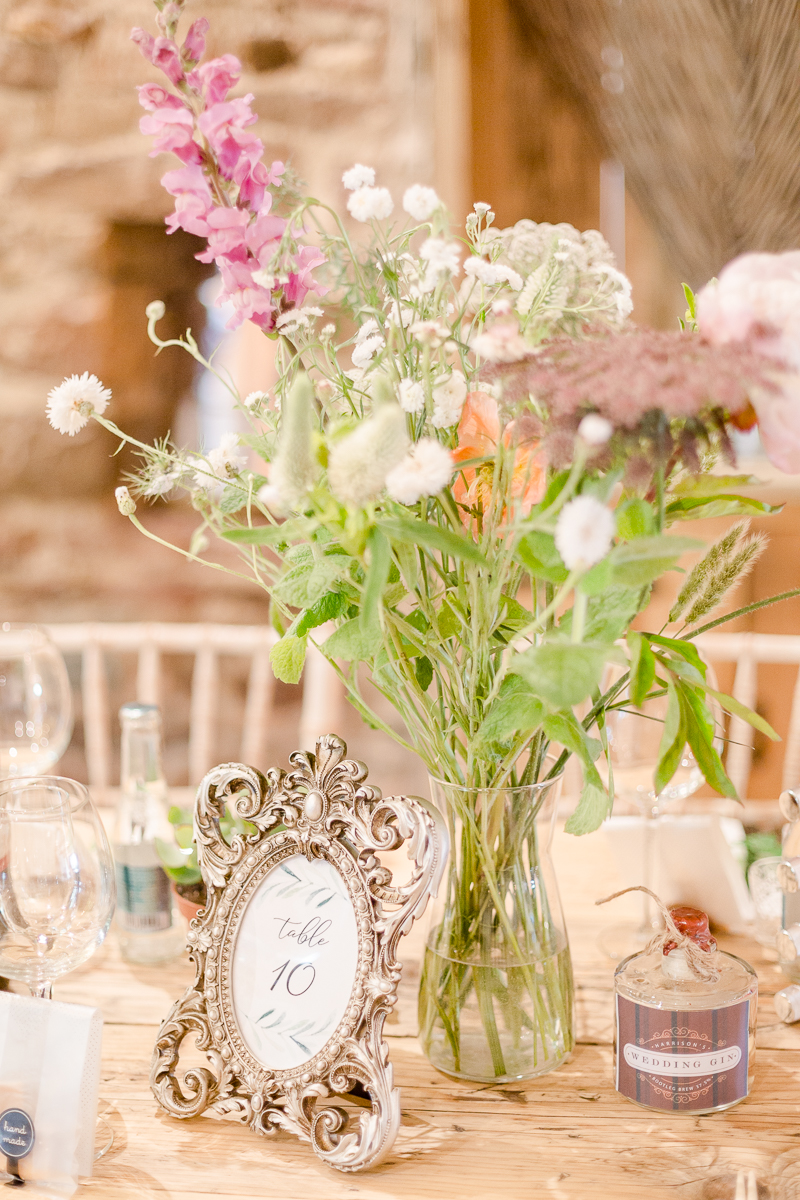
221, 192
757, 298
216, 77
173, 130
194, 46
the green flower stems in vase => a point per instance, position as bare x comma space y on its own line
496, 994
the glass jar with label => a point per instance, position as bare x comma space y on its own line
148, 927
684, 1043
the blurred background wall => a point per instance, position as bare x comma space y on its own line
586, 111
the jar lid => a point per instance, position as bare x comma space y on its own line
692, 922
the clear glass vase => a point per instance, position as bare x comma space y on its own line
496, 994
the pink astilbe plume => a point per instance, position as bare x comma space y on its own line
222, 191
673, 391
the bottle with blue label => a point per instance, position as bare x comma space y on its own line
149, 929
685, 1021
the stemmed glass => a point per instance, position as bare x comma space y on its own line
634, 738
35, 701
57, 887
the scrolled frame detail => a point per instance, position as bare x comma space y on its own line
324, 809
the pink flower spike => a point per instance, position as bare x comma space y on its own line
194, 47
167, 59
301, 281
226, 237
250, 301
187, 179
218, 76
191, 213
275, 174
263, 234
172, 129
153, 96
145, 41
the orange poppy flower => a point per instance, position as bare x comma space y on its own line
478, 437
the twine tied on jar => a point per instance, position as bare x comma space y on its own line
701, 961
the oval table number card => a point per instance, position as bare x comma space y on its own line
296, 952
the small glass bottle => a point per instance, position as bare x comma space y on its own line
148, 927
683, 1044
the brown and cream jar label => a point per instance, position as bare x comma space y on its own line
682, 1061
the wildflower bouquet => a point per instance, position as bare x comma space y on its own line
461, 488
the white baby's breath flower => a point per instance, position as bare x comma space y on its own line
359, 463
584, 532
226, 460
411, 396
363, 352
265, 279
449, 394
425, 470
420, 202
482, 209
400, 314
367, 330
491, 274
370, 204
441, 258
327, 332
125, 501
430, 333
358, 176
70, 405
595, 430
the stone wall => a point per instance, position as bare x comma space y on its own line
83, 249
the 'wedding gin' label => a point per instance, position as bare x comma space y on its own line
682, 1061
16, 1133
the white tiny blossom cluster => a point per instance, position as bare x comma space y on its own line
449, 393
368, 342
584, 532
441, 258
297, 318
358, 176
411, 396
425, 470
420, 202
254, 400
492, 274
70, 405
359, 463
162, 482
370, 204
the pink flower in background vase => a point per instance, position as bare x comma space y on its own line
193, 200
300, 282
167, 58
153, 96
757, 299
224, 126
227, 227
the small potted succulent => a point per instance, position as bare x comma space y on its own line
179, 858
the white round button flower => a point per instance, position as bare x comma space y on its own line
425, 470
584, 532
70, 405
411, 396
449, 394
595, 430
420, 202
370, 204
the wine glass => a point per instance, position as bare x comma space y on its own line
634, 739
57, 887
35, 701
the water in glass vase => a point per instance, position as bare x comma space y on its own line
496, 993
513, 1020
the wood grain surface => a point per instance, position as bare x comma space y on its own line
564, 1135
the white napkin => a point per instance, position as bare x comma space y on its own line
50, 1068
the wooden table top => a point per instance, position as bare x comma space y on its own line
565, 1135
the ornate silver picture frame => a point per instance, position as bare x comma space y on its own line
307, 885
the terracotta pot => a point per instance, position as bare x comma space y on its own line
187, 908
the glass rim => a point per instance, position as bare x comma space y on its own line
514, 787
77, 793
